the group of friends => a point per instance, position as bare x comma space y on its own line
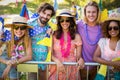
86, 40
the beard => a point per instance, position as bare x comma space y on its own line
43, 21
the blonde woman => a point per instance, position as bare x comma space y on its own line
18, 49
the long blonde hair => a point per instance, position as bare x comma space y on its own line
11, 43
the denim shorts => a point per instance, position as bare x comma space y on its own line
13, 72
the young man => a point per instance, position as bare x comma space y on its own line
39, 21
90, 32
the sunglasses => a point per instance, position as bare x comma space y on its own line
114, 28
21, 27
62, 20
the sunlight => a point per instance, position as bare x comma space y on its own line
59, 1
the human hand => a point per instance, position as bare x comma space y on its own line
80, 64
8, 62
14, 62
60, 67
49, 31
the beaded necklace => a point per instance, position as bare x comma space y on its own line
87, 36
65, 50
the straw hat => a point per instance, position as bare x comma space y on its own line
65, 12
18, 21
114, 16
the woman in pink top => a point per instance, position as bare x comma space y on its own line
109, 47
66, 48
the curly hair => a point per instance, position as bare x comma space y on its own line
46, 6
72, 28
105, 26
92, 3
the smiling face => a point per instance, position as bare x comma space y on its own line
91, 13
65, 23
19, 31
45, 16
113, 29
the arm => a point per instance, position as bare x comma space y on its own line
59, 64
80, 60
6, 71
97, 58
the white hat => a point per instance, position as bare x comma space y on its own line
114, 16
18, 21
65, 12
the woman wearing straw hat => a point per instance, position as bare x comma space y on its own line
17, 50
66, 48
109, 47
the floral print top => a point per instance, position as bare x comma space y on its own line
18, 51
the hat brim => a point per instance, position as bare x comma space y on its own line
116, 19
64, 15
11, 25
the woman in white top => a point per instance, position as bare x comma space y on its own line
109, 47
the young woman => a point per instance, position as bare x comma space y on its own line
66, 48
109, 47
18, 49
90, 32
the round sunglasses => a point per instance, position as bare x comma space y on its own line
114, 28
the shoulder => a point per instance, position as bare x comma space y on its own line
103, 41
80, 23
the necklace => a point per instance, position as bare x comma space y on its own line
65, 50
87, 36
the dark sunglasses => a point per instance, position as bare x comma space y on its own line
21, 27
62, 20
114, 28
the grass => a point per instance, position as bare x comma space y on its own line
31, 5
13, 9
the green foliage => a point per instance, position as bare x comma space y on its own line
13, 9
23, 76
32, 5
111, 4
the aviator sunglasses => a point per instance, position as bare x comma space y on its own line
66, 20
114, 28
21, 27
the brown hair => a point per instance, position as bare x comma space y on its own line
105, 26
92, 3
46, 6
72, 28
